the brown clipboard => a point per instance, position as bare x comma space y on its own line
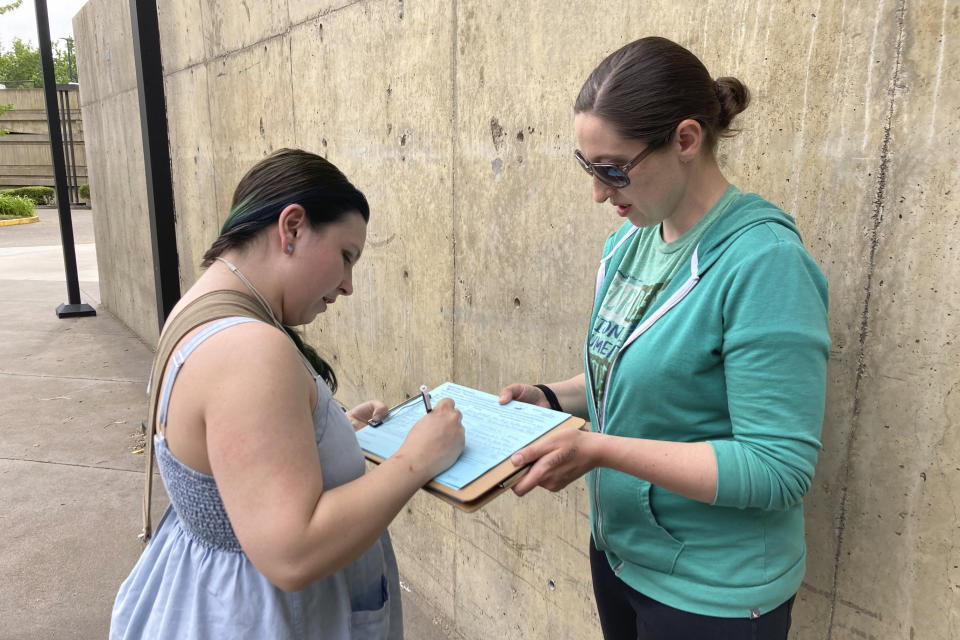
489, 485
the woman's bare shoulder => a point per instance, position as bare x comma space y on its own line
244, 367
253, 344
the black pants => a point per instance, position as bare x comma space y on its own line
627, 614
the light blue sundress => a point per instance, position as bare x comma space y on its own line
194, 582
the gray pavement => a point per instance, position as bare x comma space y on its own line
72, 394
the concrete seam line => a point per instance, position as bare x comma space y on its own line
273, 36
4, 372
454, 150
876, 218
74, 464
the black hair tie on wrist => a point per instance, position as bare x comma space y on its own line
551, 396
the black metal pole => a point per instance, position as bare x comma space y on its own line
156, 154
73, 75
64, 119
73, 307
68, 146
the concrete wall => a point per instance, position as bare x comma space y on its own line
111, 114
455, 118
25, 151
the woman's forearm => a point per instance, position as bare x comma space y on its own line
685, 468
368, 504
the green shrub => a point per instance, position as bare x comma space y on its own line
16, 206
85, 192
40, 196
3, 109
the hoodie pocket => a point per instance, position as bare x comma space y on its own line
651, 546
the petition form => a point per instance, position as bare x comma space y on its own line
493, 431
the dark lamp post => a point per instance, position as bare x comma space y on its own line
71, 70
73, 307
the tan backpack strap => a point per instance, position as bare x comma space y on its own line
206, 308
148, 454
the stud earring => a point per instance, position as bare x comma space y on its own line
289, 247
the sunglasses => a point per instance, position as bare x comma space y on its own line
612, 175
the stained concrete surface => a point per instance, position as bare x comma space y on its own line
454, 118
111, 117
71, 480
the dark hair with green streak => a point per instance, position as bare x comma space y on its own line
285, 177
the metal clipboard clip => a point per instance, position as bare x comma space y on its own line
376, 422
514, 478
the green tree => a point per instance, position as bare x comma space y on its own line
10, 7
21, 64
7, 107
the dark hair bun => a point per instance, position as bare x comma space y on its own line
734, 97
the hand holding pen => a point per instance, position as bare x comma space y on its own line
426, 397
436, 440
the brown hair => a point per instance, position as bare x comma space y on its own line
646, 88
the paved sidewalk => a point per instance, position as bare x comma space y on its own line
72, 394
71, 401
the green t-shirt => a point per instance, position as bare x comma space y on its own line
647, 267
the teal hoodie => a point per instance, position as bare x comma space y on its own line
734, 353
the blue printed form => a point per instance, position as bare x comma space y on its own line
493, 431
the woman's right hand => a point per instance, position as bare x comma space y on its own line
436, 440
523, 393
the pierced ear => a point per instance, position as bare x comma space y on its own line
291, 222
689, 138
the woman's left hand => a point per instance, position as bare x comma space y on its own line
556, 461
366, 411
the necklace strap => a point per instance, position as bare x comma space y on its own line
253, 290
268, 309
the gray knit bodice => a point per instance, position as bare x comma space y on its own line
195, 496
196, 499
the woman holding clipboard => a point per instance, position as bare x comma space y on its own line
704, 366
